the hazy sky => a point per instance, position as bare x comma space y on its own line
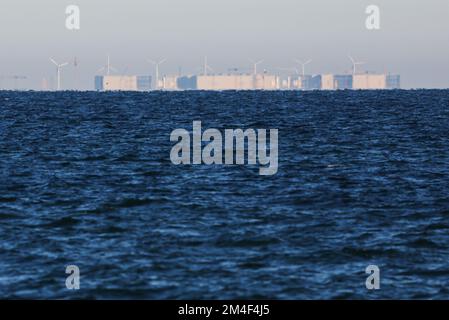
413, 40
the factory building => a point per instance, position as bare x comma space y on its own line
225, 82
273, 82
170, 83
285, 82
295, 83
307, 82
122, 83
229, 82
336, 82
314, 83
298, 82
187, 83
393, 81
327, 82
369, 81
342, 82
266, 82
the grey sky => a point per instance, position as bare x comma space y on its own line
413, 40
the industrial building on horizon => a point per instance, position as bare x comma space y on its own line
122, 83
246, 81
227, 82
220, 82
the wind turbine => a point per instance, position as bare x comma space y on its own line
303, 65
157, 64
58, 71
355, 64
206, 67
107, 67
255, 64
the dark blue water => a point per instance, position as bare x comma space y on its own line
86, 179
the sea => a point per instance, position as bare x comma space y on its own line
86, 180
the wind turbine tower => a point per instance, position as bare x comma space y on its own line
206, 67
355, 64
255, 64
303, 65
107, 67
157, 64
58, 72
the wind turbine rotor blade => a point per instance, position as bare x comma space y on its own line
64, 64
151, 61
162, 61
54, 62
